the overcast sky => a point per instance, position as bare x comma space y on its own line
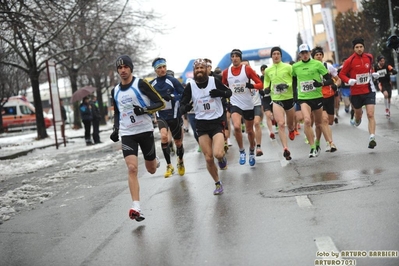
204, 28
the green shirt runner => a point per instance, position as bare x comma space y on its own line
277, 74
306, 73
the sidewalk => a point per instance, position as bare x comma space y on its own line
17, 144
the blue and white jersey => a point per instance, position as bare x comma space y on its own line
129, 122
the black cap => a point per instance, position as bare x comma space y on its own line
263, 67
380, 57
237, 52
357, 41
276, 48
124, 60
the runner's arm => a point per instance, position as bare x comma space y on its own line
185, 100
221, 86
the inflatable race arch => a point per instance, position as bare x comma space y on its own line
253, 54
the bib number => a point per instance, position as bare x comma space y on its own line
362, 78
307, 86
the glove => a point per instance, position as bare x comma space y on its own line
139, 110
189, 106
334, 87
375, 75
281, 87
217, 93
262, 93
267, 91
250, 85
317, 83
168, 97
115, 135
352, 82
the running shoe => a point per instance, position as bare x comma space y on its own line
223, 163
328, 147
180, 168
313, 153
199, 149
287, 154
170, 170
333, 147
336, 120
372, 143
158, 162
243, 157
292, 135
387, 113
346, 109
136, 215
259, 151
296, 132
219, 188
355, 123
252, 158
272, 136
242, 128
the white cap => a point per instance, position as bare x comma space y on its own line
303, 47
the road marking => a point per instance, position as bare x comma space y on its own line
325, 246
303, 201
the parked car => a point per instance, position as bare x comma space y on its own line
18, 114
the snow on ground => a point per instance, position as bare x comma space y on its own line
36, 189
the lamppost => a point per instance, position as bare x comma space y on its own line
395, 56
301, 21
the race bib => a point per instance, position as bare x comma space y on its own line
363, 78
238, 88
278, 90
207, 106
131, 120
307, 86
382, 72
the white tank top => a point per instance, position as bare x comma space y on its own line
256, 97
206, 107
129, 122
241, 94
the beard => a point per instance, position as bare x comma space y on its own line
200, 76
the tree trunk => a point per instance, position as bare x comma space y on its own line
37, 101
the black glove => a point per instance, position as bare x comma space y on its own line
334, 87
217, 93
139, 110
317, 83
262, 93
267, 91
115, 135
281, 87
250, 85
189, 106
168, 97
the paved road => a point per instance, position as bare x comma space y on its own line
275, 213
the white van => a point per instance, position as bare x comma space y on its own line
18, 114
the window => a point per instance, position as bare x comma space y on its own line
10, 110
25, 110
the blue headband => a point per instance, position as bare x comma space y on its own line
159, 62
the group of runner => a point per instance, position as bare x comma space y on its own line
307, 87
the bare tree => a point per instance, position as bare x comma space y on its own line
28, 28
